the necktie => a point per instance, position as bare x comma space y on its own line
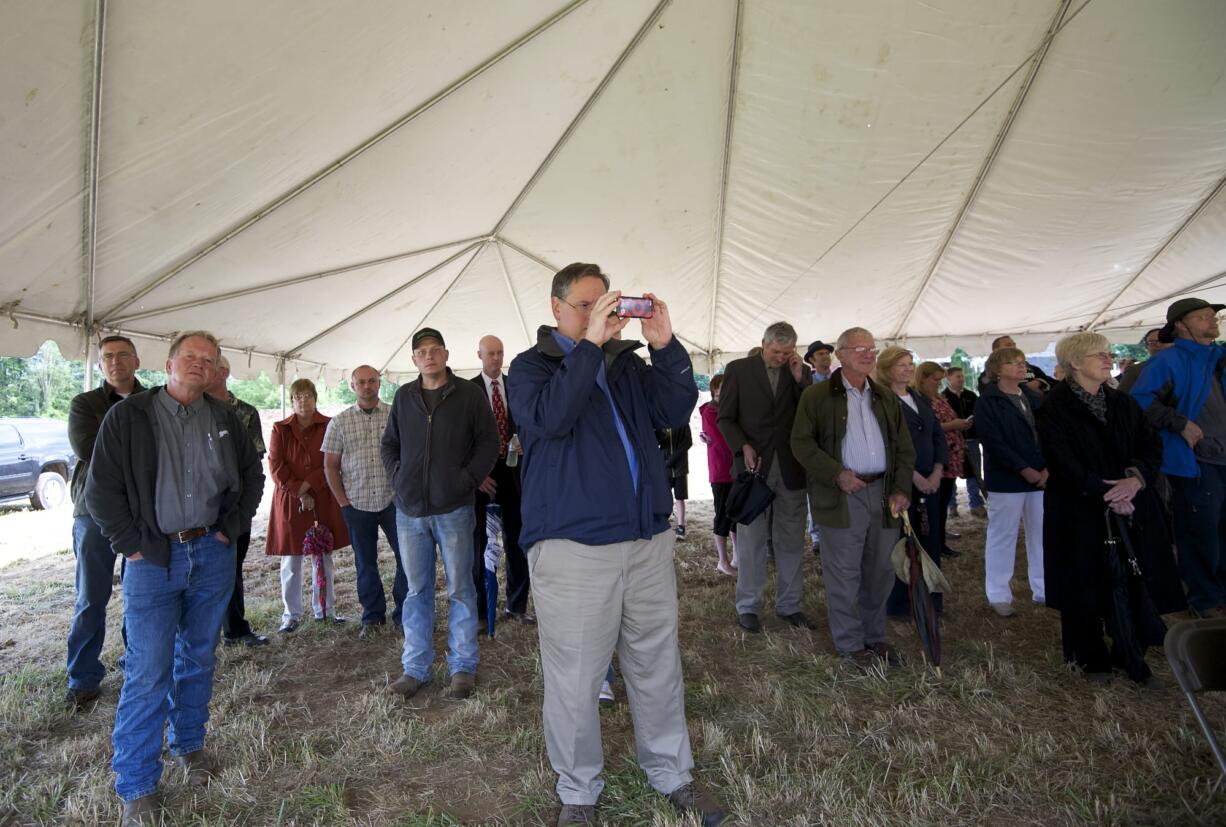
500, 416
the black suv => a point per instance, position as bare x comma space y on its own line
35, 458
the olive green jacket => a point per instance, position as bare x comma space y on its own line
817, 443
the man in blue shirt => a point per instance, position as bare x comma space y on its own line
596, 503
1182, 393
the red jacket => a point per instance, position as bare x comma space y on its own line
295, 455
719, 455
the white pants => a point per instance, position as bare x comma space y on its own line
291, 587
1005, 512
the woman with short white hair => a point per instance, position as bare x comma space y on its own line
1103, 458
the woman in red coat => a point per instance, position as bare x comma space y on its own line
301, 496
719, 471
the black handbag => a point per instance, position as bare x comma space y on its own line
748, 497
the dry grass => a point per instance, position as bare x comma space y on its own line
781, 730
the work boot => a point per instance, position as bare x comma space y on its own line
198, 766
141, 812
406, 686
577, 814
80, 698
462, 685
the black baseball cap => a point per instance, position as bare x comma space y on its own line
427, 333
816, 346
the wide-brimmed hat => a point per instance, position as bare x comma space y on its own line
815, 347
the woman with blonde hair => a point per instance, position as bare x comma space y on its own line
301, 497
896, 370
1103, 458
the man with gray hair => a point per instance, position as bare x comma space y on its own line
236, 629
756, 407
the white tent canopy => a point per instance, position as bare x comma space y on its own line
312, 181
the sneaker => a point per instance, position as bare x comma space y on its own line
288, 627
249, 639
577, 814
80, 698
690, 798
198, 767
1003, 609
606, 694
461, 685
405, 686
333, 618
680, 529
141, 812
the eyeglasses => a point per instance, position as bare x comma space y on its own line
116, 355
859, 351
583, 307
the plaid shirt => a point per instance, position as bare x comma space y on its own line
356, 435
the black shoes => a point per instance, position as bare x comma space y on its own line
249, 639
749, 622
522, 618
798, 620
691, 798
80, 698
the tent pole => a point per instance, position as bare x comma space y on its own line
281, 379
91, 168
718, 256
553, 268
349, 156
1205, 282
88, 384
437, 302
335, 271
587, 107
519, 312
298, 348
1162, 248
986, 167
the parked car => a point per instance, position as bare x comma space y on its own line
35, 458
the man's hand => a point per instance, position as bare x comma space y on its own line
1122, 491
848, 482
658, 330
899, 503
1192, 434
797, 366
934, 479
1124, 509
750, 456
602, 325
221, 538
135, 556
489, 487
1032, 476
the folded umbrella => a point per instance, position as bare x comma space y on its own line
492, 553
748, 497
317, 542
916, 568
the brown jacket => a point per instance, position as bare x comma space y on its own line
750, 413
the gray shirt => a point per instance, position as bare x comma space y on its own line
863, 445
191, 472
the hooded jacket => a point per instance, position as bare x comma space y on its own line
577, 483
121, 487
437, 460
1172, 390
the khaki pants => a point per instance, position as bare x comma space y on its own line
783, 526
589, 600
857, 571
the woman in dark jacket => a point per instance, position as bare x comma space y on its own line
896, 370
1103, 459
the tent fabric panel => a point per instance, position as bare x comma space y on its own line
45, 70
1102, 164
837, 103
636, 189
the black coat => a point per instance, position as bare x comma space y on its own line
929, 440
1081, 452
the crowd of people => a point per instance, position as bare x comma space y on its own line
581, 451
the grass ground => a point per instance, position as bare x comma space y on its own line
781, 730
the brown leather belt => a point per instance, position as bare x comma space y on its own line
869, 478
187, 535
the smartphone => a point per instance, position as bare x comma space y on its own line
635, 307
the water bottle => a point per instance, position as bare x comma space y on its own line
513, 451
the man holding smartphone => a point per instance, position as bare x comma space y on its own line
595, 522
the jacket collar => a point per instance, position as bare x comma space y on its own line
548, 346
992, 390
836, 383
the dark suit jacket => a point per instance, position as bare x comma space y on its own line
479, 381
749, 413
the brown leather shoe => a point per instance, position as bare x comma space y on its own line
141, 812
886, 652
462, 684
577, 814
81, 698
406, 686
198, 766
690, 798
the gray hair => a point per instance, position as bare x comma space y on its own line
841, 342
193, 334
780, 333
1078, 346
222, 362
571, 273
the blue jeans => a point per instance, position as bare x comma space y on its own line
173, 618
453, 534
95, 570
364, 535
1199, 504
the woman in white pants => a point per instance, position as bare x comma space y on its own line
1014, 476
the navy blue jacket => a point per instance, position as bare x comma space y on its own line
931, 446
1008, 443
576, 479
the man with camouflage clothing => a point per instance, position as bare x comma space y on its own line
236, 628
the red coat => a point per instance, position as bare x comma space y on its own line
295, 455
719, 455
